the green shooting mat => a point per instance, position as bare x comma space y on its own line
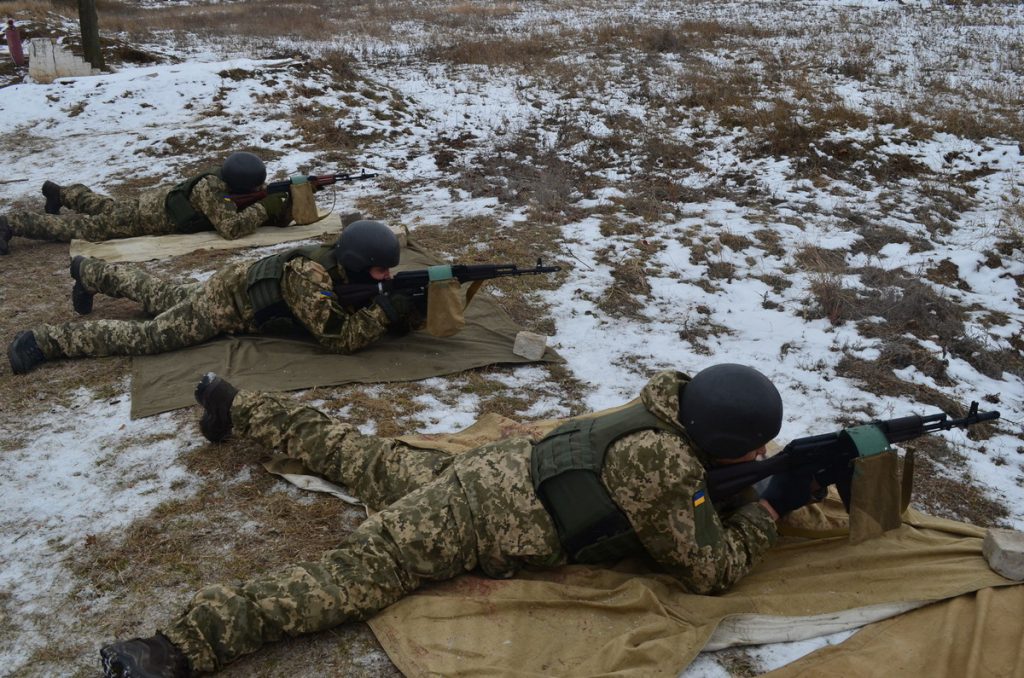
166, 381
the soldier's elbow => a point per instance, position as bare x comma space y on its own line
707, 579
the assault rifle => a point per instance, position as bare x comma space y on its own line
415, 283
243, 200
829, 457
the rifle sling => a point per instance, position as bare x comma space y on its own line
473, 288
907, 481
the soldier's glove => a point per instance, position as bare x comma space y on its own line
840, 475
403, 313
788, 491
274, 204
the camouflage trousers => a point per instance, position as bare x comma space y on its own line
428, 530
186, 315
98, 217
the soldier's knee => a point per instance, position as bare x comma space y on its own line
215, 594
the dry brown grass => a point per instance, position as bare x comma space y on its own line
876, 377
522, 172
22, 10
875, 236
957, 497
894, 304
251, 21
655, 196
526, 52
834, 300
625, 297
696, 327
1010, 231
682, 38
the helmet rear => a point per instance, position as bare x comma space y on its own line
729, 410
243, 172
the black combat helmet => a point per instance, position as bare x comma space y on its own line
243, 172
729, 410
364, 244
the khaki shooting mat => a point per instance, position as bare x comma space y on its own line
149, 247
976, 634
166, 381
630, 620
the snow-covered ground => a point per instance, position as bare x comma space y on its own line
86, 469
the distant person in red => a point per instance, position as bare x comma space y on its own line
14, 43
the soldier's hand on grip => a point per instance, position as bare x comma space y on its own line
274, 204
788, 491
403, 313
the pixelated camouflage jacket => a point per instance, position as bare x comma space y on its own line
655, 477
307, 289
658, 480
210, 197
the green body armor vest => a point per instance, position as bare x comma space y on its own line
180, 210
566, 468
263, 284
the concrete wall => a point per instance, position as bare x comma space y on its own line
47, 61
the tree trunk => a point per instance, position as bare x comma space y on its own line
90, 25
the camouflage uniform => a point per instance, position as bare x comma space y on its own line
444, 515
191, 314
102, 218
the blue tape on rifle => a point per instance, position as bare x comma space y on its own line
299, 179
440, 272
868, 439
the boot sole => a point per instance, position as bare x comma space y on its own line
81, 299
214, 425
214, 428
19, 366
53, 203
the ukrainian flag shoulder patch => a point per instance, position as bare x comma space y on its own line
699, 498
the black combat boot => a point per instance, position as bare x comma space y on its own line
81, 298
52, 193
24, 352
154, 657
216, 396
5, 236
